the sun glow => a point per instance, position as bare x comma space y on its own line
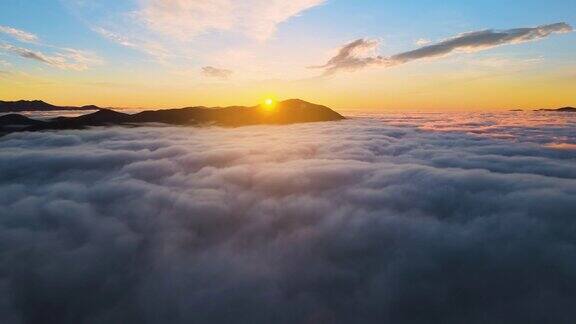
269, 104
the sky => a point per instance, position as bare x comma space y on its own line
373, 55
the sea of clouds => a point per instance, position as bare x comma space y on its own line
389, 218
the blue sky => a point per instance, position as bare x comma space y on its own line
169, 42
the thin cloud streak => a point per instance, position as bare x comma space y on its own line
18, 34
66, 59
63, 58
218, 73
356, 55
153, 49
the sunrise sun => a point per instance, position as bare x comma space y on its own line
269, 104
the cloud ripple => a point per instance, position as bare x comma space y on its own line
389, 218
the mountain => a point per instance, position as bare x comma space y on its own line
100, 118
15, 122
286, 112
564, 109
37, 105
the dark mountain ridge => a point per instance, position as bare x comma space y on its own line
285, 112
37, 105
563, 109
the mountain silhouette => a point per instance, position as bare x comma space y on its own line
286, 112
37, 105
15, 119
563, 109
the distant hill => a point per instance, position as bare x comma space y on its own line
286, 112
18, 120
37, 105
564, 109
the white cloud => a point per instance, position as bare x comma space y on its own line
18, 34
62, 58
154, 49
65, 58
185, 35
119, 39
185, 19
422, 42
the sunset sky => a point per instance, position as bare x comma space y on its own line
370, 55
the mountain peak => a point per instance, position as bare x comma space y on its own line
289, 112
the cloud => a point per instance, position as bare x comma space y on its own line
124, 41
63, 58
368, 220
66, 58
422, 42
503, 62
185, 19
154, 49
213, 72
18, 34
183, 35
29, 54
353, 57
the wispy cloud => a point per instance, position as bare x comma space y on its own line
59, 57
218, 73
66, 58
503, 62
423, 42
359, 54
186, 35
117, 38
185, 19
154, 49
18, 34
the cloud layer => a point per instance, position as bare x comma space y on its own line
397, 218
356, 55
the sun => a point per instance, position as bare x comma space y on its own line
269, 104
